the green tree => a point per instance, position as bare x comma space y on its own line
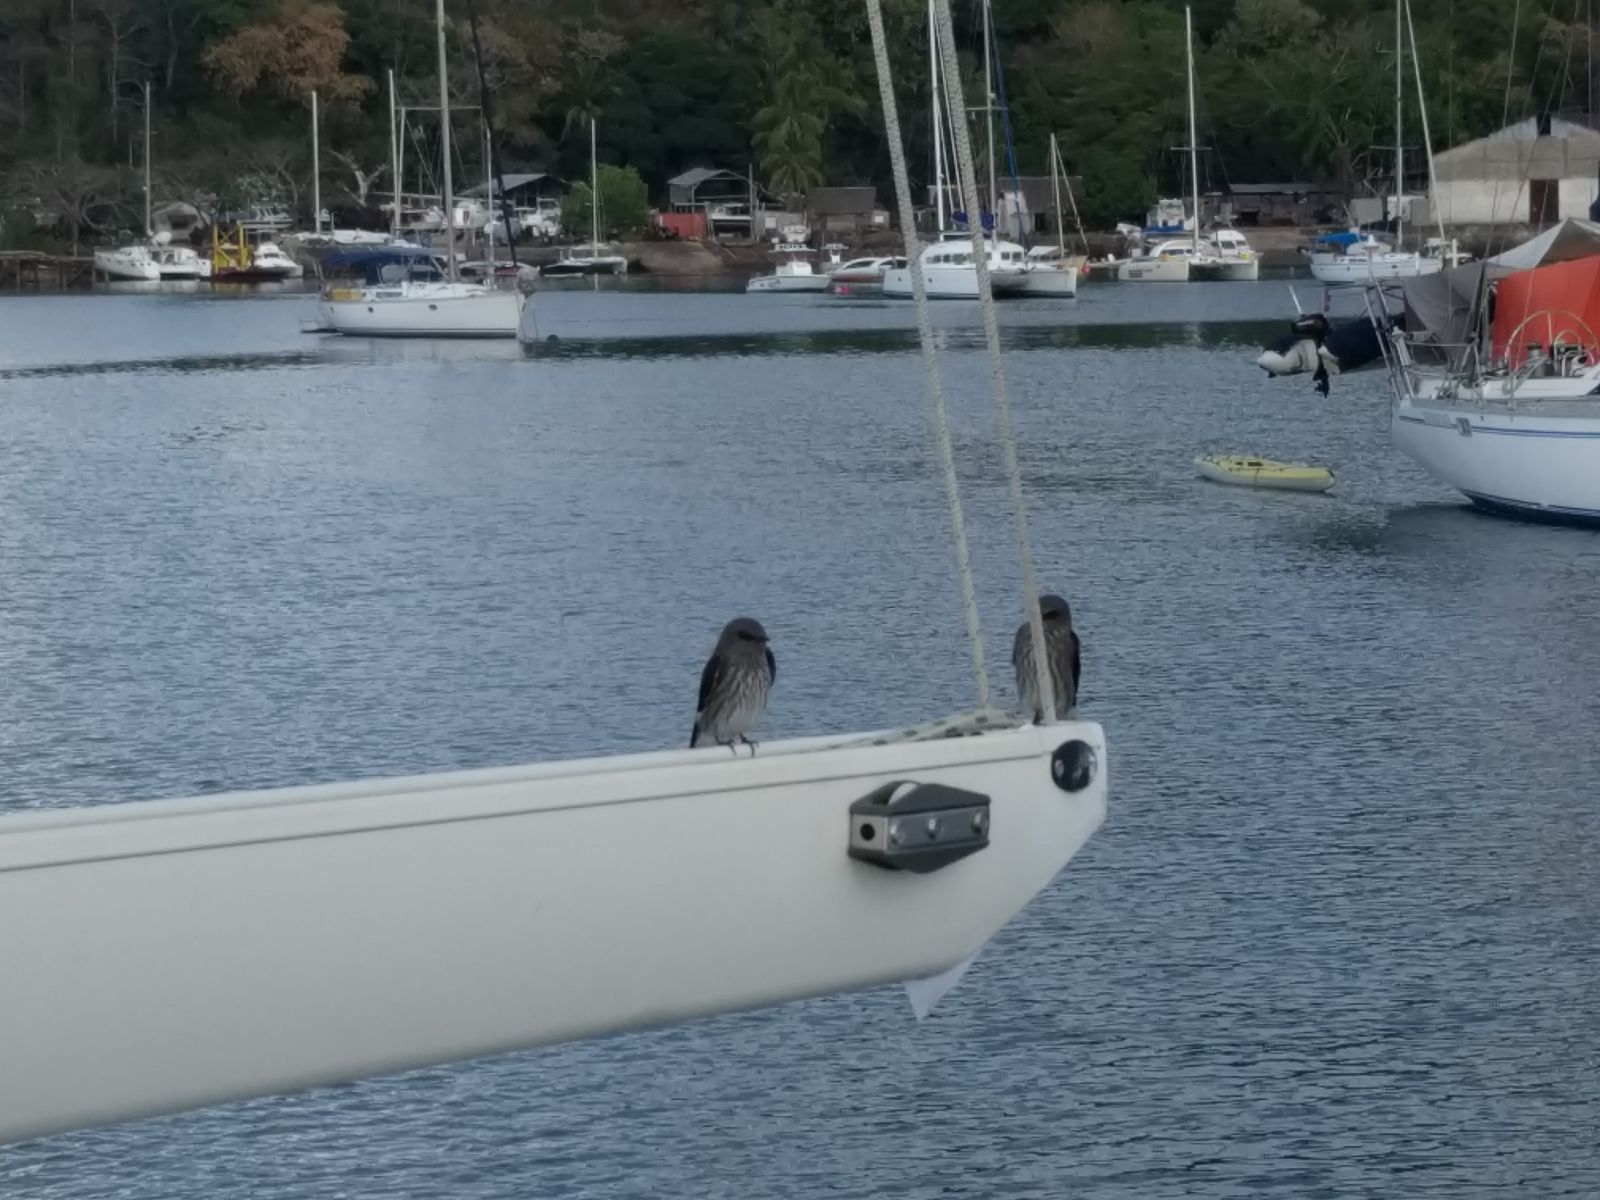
624, 204
806, 90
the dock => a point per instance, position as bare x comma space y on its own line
30, 270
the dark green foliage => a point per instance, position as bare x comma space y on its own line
1288, 88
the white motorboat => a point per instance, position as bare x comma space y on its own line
404, 291
127, 263
949, 273
179, 262
1165, 262
1225, 256
794, 274
269, 261
863, 272
239, 262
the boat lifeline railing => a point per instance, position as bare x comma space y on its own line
1533, 364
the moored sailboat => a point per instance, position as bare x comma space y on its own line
404, 292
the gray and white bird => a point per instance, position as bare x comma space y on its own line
734, 686
1061, 657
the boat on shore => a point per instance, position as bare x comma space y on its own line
586, 258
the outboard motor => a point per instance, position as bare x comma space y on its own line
1350, 346
1299, 351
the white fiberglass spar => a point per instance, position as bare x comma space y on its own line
164, 955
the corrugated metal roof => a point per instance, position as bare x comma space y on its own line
1274, 189
695, 176
517, 180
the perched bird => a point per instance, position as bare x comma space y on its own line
734, 686
1061, 657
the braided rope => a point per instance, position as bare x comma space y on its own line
991, 333
937, 412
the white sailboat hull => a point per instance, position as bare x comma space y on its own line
951, 283
119, 265
1532, 460
165, 955
1226, 270
392, 312
1372, 268
1154, 270
788, 283
1049, 281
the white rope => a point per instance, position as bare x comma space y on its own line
941, 427
991, 332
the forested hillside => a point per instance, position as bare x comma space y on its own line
1289, 88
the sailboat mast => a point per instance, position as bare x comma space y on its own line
1427, 137
1194, 137
316, 167
444, 139
594, 185
988, 112
938, 136
488, 189
149, 229
1399, 141
1056, 171
394, 162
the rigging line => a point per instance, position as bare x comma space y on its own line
1011, 146
1511, 64
1071, 199
497, 173
937, 415
991, 334
1491, 246
1427, 138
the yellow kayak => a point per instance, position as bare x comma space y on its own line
1264, 473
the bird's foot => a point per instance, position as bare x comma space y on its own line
750, 743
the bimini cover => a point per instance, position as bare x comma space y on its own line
1343, 240
1441, 313
1559, 303
1573, 238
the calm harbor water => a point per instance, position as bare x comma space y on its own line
1339, 937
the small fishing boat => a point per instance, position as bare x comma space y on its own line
1240, 471
794, 274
